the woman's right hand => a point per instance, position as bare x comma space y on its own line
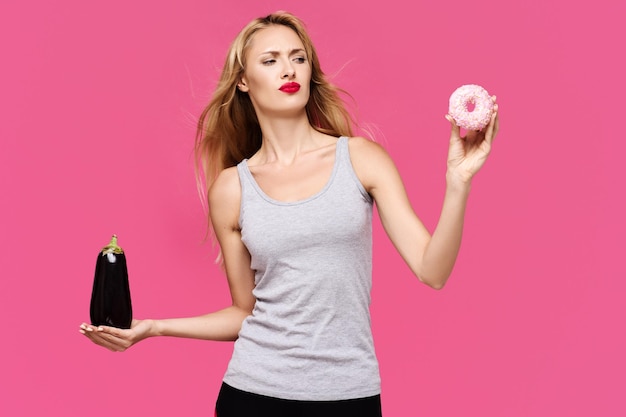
115, 339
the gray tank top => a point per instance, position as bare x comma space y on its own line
309, 335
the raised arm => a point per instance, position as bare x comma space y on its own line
224, 201
431, 258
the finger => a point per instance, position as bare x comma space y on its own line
102, 336
111, 334
121, 338
113, 347
107, 341
85, 327
95, 338
492, 127
455, 130
114, 331
496, 124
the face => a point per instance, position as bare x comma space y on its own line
277, 73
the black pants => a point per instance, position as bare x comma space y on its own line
232, 402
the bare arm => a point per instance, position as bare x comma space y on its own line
430, 258
224, 201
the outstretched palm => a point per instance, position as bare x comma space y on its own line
114, 339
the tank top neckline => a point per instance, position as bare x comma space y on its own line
314, 196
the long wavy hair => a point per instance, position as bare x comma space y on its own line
228, 129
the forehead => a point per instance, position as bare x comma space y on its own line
275, 38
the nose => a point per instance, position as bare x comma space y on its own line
289, 71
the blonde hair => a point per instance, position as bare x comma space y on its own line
228, 130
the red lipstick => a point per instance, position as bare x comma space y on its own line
290, 88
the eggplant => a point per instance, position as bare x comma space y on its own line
110, 297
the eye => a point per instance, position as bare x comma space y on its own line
269, 61
300, 59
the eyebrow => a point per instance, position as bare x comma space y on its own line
275, 53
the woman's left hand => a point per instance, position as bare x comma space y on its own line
468, 154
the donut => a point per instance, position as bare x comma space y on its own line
465, 95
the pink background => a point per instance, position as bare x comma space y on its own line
98, 104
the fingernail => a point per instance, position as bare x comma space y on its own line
100, 329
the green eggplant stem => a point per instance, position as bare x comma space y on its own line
112, 247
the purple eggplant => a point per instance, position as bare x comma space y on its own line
110, 297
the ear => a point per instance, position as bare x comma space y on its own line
242, 86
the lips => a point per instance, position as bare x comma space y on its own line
290, 88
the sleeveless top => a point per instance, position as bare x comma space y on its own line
309, 335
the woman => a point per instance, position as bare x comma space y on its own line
290, 202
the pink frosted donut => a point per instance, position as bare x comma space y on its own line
479, 117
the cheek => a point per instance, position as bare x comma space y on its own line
256, 90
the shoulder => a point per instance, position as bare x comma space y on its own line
225, 197
226, 185
370, 161
362, 148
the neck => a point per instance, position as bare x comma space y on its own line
285, 138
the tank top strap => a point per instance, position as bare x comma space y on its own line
345, 165
244, 174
